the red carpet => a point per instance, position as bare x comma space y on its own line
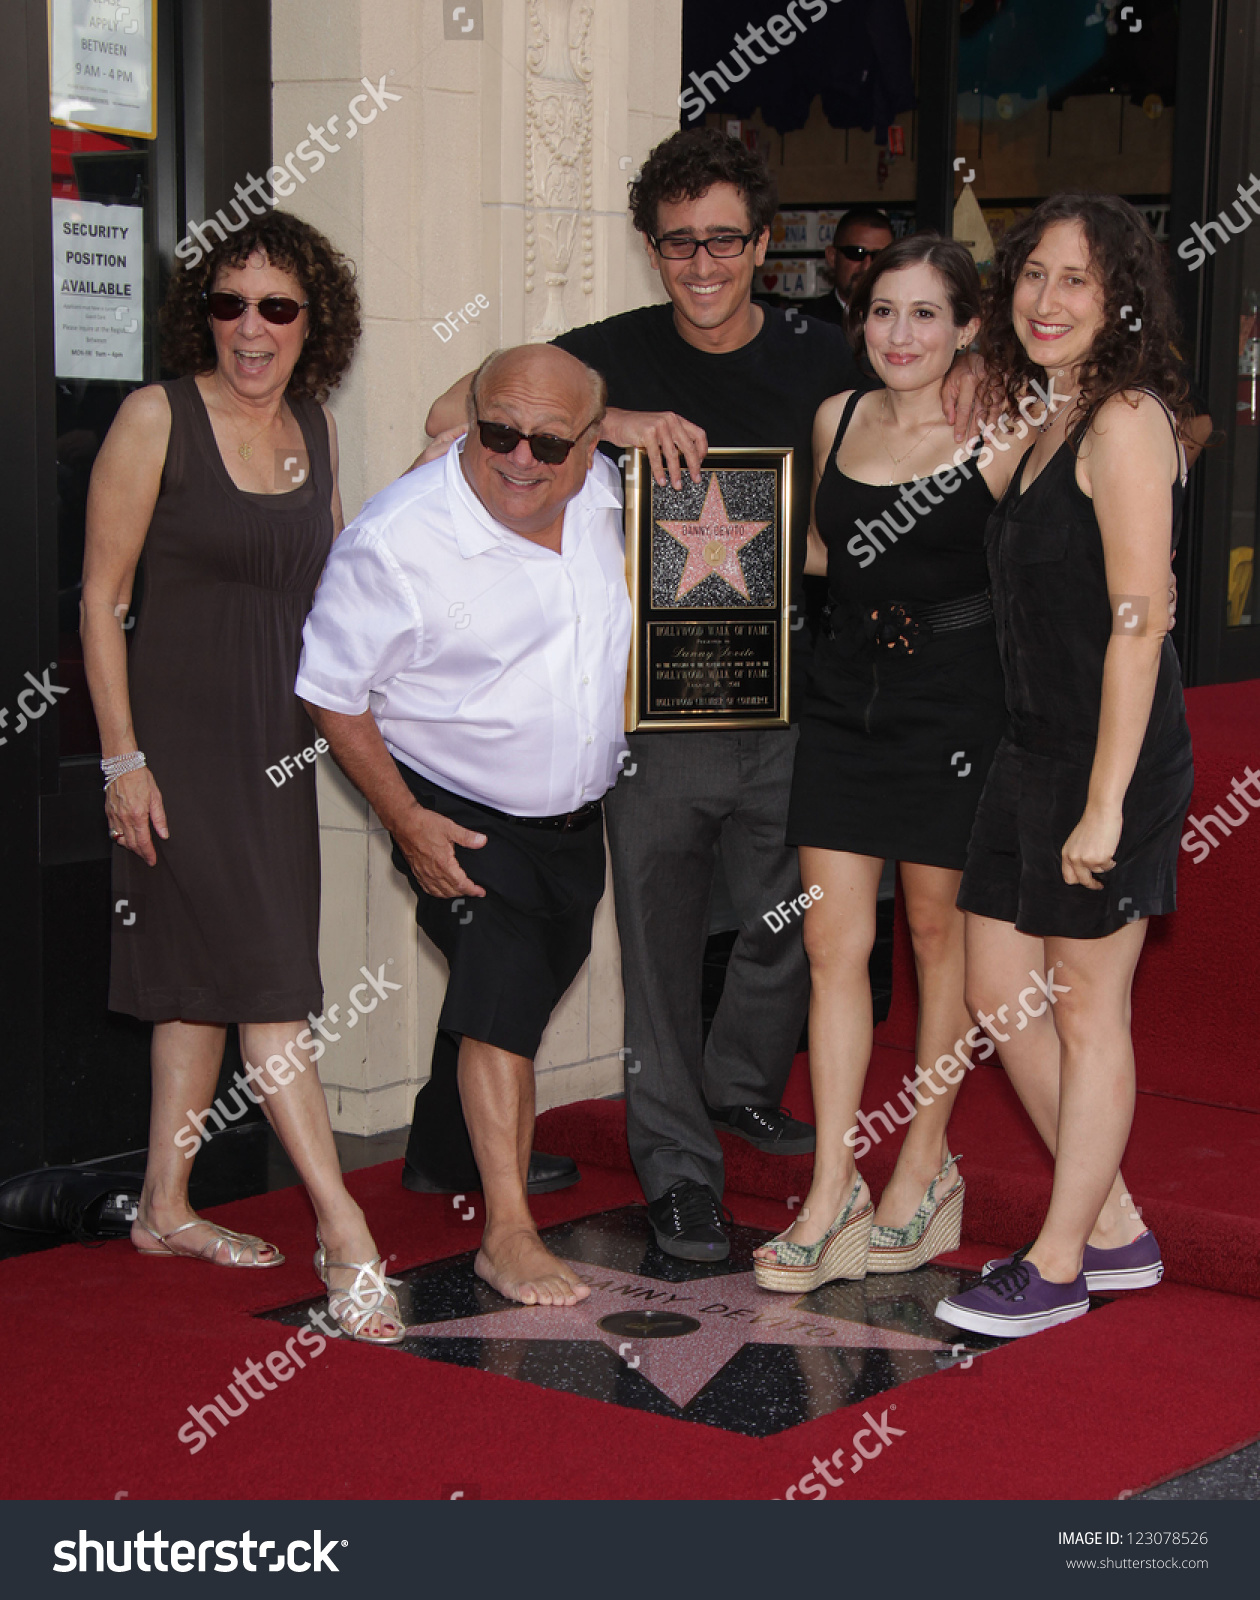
1192, 1168
105, 1352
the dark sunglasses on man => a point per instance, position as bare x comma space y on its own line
544, 447
277, 308
855, 252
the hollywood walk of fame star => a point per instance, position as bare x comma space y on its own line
676, 1335
713, 543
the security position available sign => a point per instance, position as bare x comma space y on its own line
98, 289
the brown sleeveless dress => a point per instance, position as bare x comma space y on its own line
226, 924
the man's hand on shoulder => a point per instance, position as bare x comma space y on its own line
428, 841
669, 440
960, 396
436, 447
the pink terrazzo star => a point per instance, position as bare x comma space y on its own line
732, 1312
713, 543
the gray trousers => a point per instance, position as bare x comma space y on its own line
688, 795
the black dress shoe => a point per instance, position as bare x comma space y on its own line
768, 1128
546, 1174
90, 1206
690, 1222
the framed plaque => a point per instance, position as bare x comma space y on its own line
709, 571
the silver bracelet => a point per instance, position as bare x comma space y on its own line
115, 766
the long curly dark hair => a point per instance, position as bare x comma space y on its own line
1130, 266
327, 280
689, 163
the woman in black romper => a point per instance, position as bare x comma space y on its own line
1076, 837
905, 709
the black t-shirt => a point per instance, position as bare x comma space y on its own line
765, 393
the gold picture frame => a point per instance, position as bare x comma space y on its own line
709, 569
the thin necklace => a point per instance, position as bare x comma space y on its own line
246, 450
897, 460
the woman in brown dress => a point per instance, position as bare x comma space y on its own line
226, 478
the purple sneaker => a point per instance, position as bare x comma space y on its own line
1015, 1300
1129, 1266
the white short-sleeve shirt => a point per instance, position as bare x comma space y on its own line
493, 667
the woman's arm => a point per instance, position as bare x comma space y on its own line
826, 421
1128, 465
124, 488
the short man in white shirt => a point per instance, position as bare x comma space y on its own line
465, 658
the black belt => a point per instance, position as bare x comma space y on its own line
876, 630
565, 822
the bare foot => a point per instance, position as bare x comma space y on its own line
517, 1263
822, 1206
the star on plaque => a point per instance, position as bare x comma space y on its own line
713, 543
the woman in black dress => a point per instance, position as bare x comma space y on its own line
904, 712
1076, 837
226, 478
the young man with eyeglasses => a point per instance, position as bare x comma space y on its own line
711, 367
863, 232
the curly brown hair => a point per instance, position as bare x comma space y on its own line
1130, 266
327, 280
689, 163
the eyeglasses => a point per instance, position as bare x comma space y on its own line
544, 447
278, 308
856, 252
721, 245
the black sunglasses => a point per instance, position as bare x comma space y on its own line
856, 252
544, 447
278, 308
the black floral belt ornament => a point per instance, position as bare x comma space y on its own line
895, 628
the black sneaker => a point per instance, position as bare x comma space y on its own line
690, 1222
768, 1128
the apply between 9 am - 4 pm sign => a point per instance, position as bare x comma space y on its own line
102, 56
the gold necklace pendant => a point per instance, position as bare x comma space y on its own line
245, 451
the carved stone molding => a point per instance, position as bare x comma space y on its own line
559, 123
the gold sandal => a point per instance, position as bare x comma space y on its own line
237, 1244
369, 1295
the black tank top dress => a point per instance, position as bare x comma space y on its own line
1054, 623
225, 928
906, 704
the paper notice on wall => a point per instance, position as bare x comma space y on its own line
98, 289
101, 65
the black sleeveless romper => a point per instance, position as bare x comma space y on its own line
225, 928
1050, 598
896, 737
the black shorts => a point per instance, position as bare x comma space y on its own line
1029, 807
513, 953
